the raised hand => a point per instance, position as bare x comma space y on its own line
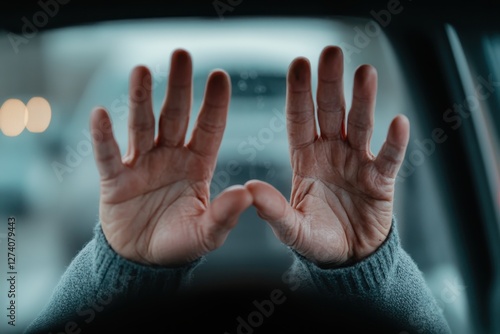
155, 203
341, 204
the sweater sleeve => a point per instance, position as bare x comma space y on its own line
387, 283
98, 278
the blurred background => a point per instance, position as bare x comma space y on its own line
49, 182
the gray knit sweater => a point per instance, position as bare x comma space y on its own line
388, 280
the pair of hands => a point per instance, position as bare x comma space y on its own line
155, 204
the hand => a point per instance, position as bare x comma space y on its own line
341, 204
154, 203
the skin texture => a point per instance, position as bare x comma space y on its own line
341, 205
155, 203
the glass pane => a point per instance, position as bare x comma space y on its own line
49, 181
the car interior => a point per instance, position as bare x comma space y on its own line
437, 63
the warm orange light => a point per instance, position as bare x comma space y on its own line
38, 115
13, 117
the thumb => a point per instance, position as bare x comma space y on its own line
222, 214
273, 207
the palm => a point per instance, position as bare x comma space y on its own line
154, 204
336, 204
156, 207
341, 203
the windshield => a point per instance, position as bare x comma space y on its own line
49, 180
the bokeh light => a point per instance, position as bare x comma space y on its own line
38, 115
13, 117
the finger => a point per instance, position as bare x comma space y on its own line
330, 94
141, 120
222, 214
174, 115
106, 150
301, 124
273, 207
360, 119
392, 153
209, 127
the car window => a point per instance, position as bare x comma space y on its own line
49, 181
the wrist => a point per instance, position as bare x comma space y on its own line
135, 257
358, 251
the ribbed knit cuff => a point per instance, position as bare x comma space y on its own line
369, 276
127, 278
